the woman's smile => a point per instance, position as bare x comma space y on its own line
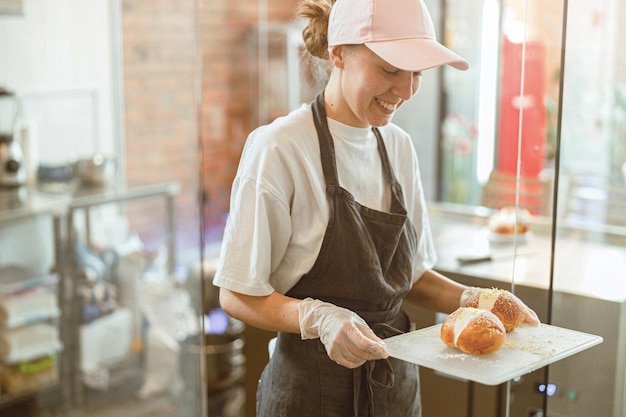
390, 107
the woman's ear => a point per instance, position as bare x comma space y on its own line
336, 55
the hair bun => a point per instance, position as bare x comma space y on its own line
315, 33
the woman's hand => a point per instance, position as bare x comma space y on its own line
348, 339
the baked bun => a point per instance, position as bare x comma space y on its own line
503, 221
508, 308
473, 331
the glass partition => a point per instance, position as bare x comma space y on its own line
537, 126
589, 257
100, 244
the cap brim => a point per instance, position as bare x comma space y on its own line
417, 54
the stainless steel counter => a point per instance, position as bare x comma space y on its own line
22, 203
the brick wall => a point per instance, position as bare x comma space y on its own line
166, 44
228, 89
159, 54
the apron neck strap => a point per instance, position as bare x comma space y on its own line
327, 148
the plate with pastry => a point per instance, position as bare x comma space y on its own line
473, 344
508, 224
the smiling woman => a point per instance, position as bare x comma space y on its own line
332, 279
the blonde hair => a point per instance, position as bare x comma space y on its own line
315, 33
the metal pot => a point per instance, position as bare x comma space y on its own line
224, 360
98, 170
201, 277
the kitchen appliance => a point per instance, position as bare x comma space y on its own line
12, 169
98, 170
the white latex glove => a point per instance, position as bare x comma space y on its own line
531, 317
348, 339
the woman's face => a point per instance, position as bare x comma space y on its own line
364, 90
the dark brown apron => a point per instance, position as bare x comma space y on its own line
365, 265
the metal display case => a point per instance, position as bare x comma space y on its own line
64, 212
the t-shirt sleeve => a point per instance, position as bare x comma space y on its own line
258, 227
255, 239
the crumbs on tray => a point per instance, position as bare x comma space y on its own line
540, 347
460, 355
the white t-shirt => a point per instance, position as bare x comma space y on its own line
279, 208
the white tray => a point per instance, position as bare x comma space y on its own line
525, 350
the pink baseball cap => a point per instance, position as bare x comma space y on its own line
399, 31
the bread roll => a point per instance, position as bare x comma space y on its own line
473, 331
500, 302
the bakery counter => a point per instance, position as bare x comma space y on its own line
590, 268
589, 295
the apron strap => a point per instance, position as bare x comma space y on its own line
384, 157
391, 178
381, 380
327, 147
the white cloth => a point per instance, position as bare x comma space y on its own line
279, 208
29, 342
28, 307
